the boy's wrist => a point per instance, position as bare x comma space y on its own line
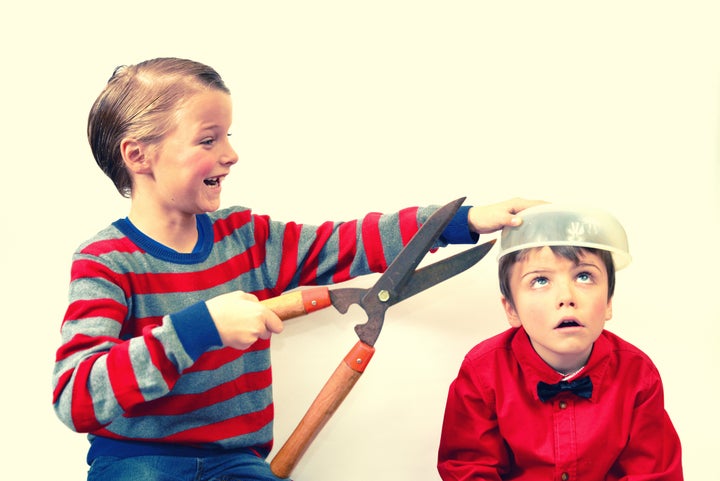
458, 230
196, 329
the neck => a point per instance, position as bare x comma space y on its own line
572, 374
564, 364
174, 231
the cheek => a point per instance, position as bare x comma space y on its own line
202, 167
533, 310
602, 309
194, 164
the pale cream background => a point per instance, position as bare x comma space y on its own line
347, 107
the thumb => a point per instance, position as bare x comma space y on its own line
273, 323
514, 221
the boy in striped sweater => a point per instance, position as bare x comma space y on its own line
165, 360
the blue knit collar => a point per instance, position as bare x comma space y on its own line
200, 252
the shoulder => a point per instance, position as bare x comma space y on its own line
228, 220
110, 239
484, 364
627, 357
241, 224
229, 211
230, 214
497, 345
622, 347
103, 256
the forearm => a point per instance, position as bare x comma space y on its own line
96, 383
104, 368
336, 252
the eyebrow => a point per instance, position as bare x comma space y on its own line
209, 126
535, 272
545, 270
588, 264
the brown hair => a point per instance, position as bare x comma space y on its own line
571, 253
140, 101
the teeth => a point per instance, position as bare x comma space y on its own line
213, 181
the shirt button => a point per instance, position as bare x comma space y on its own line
564, 476
563, 405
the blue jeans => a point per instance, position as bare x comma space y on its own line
227, 467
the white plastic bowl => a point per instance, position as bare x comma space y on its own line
564, 225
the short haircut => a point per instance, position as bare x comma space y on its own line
141, 101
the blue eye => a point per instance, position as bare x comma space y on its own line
584, 277
539, 281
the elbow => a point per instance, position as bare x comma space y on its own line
61, 399
78, 419
65, 416
77, 415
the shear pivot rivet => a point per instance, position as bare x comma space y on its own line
313, 302
358, 360
383, 296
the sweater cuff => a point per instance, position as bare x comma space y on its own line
458, 230
196, 329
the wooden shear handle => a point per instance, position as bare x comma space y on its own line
299, 303
322, 408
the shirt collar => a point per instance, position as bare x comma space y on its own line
535, 369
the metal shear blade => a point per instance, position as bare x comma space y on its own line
401, 281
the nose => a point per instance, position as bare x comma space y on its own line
229, 157
566, 296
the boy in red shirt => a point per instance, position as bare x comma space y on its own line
556, 396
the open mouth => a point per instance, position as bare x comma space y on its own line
568, 323
212, 181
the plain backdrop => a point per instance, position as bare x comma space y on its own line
342, 108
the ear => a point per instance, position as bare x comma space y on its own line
135, 155
608, 310
511, 313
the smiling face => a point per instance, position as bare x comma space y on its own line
561, 304
182, 175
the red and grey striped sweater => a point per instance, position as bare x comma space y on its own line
141, 367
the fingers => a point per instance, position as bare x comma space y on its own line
493, 217
241, 319
519, 204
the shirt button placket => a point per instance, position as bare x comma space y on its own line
565, 439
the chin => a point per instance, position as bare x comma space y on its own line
207, 207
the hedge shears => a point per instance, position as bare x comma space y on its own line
400, 281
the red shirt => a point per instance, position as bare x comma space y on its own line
496, 427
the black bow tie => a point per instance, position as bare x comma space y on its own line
581, 387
